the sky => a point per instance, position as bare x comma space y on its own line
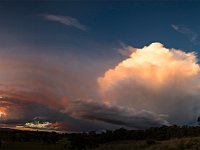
94, 65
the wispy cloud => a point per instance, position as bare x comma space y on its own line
192, 35
66, 20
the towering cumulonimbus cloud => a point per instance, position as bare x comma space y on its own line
154, 86
157, 79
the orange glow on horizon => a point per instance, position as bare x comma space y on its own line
3, 113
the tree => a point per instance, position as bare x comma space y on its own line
198, 120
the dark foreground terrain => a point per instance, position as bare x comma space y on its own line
162, 138
174, 144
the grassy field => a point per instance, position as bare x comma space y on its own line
31, 146
175, 144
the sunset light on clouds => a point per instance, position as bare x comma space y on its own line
155, 78
73, 66
147, 87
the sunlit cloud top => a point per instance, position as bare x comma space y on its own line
155, 78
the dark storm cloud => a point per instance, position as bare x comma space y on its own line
26, 115
117, 115
17, 109
142, 91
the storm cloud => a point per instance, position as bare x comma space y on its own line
157, 79
117, 115
154, 86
